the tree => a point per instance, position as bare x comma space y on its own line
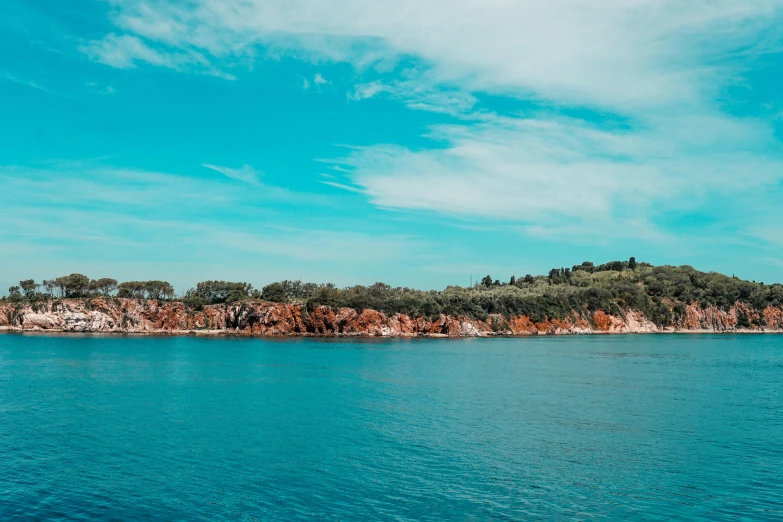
75, 285
379, 289
632, 263
529, 279
326, 295
513, 281
60, 283
275, 293
29, 287
143, 289
131, 289
13, 291
298, 290
487, 281
104, 285
158, 289
293, 288
586, 266
213, 292
124, 290
49, 285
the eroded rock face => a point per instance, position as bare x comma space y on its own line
265, 319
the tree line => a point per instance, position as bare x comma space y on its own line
79, 285
660, 292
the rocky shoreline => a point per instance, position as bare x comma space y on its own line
258, 318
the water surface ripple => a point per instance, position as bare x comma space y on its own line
568, 428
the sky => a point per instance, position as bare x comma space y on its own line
414, 143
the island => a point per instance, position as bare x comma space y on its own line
610, 298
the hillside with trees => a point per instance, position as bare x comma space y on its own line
660, 292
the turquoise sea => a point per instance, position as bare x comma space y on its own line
644, 427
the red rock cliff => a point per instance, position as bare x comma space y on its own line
270, 319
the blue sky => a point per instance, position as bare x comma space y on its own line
414, 143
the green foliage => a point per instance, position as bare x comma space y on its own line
297, 290
661, 293
131, 289
29, 287
29, 292
139, 289
105, 286
49, 286
274, 292
74, 285
559, 276
81, 286
158, 290
214, 292
14, 294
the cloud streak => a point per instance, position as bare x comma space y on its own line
126, 51
566, 171
246, 173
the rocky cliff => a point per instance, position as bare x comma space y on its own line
113, 315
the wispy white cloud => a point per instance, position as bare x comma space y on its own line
318, 79
26, 83
95, 185
419, 94
364, 91
246, 173
343, 186
125, 51
567, 171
